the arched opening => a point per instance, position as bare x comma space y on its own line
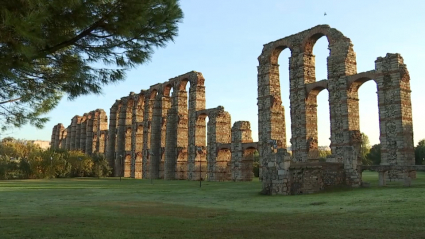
323, 123
364, 115
284, 81
128, 138
222, 169
247, 164
320, 54
201, 165
317, 136
368, 119
138, 166
127, 165
318, 141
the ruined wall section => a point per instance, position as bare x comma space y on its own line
73, 139
120, 154
62, 144
94, 121
57, 136
219, 132
196, 127
89, 132
68, 138
102, 131
149, 135
137, 135
112, 133
156, 125
395, 112
242, 150
166, 105
83, 133
128, 125
147, 124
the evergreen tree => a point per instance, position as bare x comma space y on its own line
49, 49
365, 148
420, 152
374, 154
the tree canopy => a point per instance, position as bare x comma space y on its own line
420, 152
374, 155
49, 49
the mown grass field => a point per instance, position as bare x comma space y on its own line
109, 208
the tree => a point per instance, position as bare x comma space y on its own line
420, 152
364, 150
323, 154
374, 155
49, 49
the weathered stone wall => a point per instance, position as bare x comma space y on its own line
343, 82
137, 135
285, 177
162, 133
242, 150
57, 136
88, 128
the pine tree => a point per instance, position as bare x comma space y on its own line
49, 49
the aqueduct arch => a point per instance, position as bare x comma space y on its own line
342, 83
161, 135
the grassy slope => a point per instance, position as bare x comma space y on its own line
108, 208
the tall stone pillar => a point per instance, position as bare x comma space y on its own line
271, 119
83, 131
127, 155
219, 132
345, 132
147, 121
101, 129
155, 143
68, 138
303, 108
166, 105
63, 138
120, 138
90, 135
102, 142
395, 113
53, 139
78, 134
241, 133
75, 120
197, 129
113, 120
177, 132
59, 137
137, 135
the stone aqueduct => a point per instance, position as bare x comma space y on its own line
160, 136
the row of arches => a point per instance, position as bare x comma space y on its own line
87, 133
163, 132
342, 83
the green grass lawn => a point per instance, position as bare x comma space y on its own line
131, 208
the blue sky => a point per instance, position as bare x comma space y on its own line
223, 38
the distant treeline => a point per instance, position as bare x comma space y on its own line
21, 159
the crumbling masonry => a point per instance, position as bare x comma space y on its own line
159, 134
302, 173
162, 133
